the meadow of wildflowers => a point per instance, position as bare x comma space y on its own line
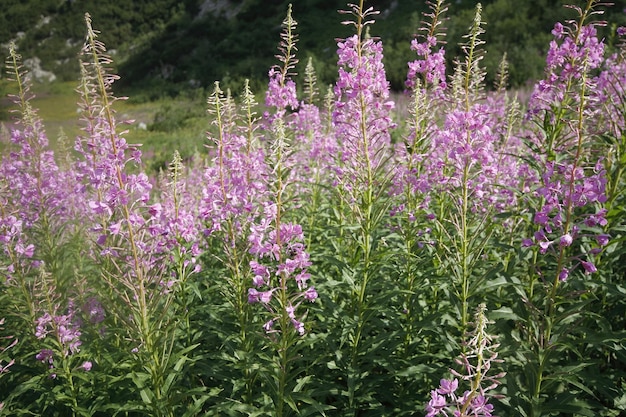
336, 250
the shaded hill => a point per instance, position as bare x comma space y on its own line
164, 46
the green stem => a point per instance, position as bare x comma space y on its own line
366, 228
70, 382
283, 350
465, 271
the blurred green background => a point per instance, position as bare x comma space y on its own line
162, 47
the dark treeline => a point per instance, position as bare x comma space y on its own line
164, 46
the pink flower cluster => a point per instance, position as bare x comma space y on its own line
107, 187
281, 93
431, 66
573, 52
65, 330
232, 184
565, 190
362, 119
17, 250
444, 400
282, 261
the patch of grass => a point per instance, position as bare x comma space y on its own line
161, 126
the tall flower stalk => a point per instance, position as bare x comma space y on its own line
36, 232
426, 80
470, 75
462, 173
232, 192
572, 189
133, 264
363, 125
281, 282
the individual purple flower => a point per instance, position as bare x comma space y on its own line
544, 245
259, 281
254, 296
302, 279
480, 407
597, 219
26, 251
93, 310
589, 267
266, 296
299, 326
602, 239
541, 218
310, 294
436, 404
448, 387
558, 30
566, 240
45, 356
86, 366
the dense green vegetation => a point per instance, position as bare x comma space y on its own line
163, 46
445, 251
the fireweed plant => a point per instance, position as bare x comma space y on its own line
475, 363
566, 212
281, 283
232, 186
36, 272
323, 252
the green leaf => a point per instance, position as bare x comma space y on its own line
567, 403
147, 396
